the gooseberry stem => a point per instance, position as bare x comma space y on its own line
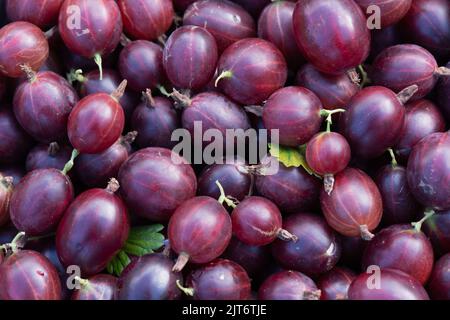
70, 163
98, 62
223, 75
365, 79
223, 198
148, 97
329, 114
418, 225
393, 159
186, 291
76, 75
164, 91
16, 244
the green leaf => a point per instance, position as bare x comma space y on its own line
141, 241
145, 231
291, 157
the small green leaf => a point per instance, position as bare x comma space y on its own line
141, 241
291, 157
110, 268
133, 249
145, 231
124, 259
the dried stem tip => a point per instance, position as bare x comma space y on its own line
407, 93
118, 93
312, 295
113, 185
328, 183
147, 94
180, 98
286, 235
130, 137
365, 233
7, 182
53, 149
182, 260
31, 75
443, 71
354, 76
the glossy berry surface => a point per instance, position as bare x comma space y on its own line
295, 112
234, 181
391, 11
98, 287
95, 123
47, 156
40, 200
217, 17
399, 205
394, 285
334, 284
439, 284
428, 171
111, 80
331, 50
255, 69
291, 189
92, 231
220, 280
213, 110
193, 50
42, 13
42, 106
354, 206
422, 118
256, 221
288, 285
149, 278
153, 186
328, 153
95, 170
373, 121
254, 259
334, 91
275, 25
99, 29
15, 142
141, 63
155, 119
200, 229
427, 24
28, 275
403, 65
437, 228
146, 19
22, 43
403, 248
317, 249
